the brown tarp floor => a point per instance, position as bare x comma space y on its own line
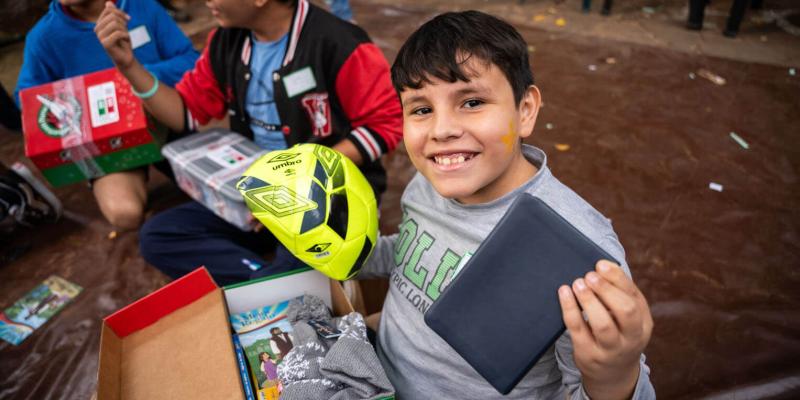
720, 269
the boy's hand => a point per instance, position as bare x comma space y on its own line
257, 225
608, 345
112, 31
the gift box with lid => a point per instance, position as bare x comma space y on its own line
87, 127
207, 166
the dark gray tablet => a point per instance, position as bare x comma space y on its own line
501, 312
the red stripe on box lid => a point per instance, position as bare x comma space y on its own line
151, 308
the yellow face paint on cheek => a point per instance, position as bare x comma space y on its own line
509, 137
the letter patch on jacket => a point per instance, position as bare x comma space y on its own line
319, 112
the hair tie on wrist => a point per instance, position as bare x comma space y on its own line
148, 94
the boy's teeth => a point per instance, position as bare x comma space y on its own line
447, 160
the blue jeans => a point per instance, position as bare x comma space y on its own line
180, 239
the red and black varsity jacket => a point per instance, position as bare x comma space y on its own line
334, 84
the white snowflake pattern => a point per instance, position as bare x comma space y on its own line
327, 382
352, 325
293, 369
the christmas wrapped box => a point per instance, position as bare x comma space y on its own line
207, 166
86, 127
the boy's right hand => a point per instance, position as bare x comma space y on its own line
112, 31
609, 341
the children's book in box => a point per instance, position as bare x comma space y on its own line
264, 335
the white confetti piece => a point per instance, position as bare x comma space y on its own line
738, 139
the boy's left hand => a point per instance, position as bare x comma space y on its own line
607, 346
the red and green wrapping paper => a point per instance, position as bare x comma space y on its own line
86, 127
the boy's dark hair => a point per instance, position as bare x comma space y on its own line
441, 47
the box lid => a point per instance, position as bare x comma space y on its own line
249, 295
81, 117
172, 344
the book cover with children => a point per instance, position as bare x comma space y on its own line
35, 308
264, 334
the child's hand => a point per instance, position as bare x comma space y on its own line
256, 224
112, 31
608, 345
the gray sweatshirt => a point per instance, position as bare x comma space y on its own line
419, 261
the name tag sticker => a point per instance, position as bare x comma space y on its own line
139, 36
299, 81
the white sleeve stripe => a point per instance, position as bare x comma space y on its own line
367, 142
371, 139
364, 145
192, 123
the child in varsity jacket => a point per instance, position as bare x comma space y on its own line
284, 72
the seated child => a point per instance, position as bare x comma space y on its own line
467, 94
63, 44
285, 72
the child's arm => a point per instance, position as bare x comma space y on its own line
365, 92
166, 104
608, 345
381, 262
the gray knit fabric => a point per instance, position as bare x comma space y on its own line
343, 368
307, 307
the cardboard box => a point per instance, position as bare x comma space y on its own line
176, 342
86, 127
207, 166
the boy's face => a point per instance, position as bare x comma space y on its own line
233, 13
464, 136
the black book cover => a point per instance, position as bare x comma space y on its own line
501, 312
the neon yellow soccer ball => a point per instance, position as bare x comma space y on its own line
317, 203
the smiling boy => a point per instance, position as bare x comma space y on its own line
468, 99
